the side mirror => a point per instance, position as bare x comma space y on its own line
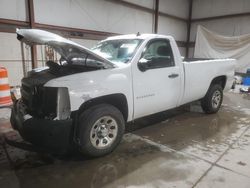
143, 64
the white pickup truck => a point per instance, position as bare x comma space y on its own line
86, 98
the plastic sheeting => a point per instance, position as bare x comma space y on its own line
212, 45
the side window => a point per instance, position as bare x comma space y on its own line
158, 54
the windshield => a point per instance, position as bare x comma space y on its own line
121, 50
76, 57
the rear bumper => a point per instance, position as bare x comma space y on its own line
51, 135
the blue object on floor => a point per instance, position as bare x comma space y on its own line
246, 81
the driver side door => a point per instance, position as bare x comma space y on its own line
156, 79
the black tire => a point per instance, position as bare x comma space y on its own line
208, 103
91, 118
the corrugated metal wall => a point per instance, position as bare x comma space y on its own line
100, 15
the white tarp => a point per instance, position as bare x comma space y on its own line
212, 45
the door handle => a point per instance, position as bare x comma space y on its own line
173, 75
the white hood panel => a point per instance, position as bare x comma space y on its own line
40, 37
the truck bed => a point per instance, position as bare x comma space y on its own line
200, 73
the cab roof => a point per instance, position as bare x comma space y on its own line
136, 36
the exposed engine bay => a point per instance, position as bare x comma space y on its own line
42, 102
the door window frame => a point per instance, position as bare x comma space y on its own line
171, 51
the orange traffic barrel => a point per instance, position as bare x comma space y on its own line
5, 97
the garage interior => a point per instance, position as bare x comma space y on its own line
182, 147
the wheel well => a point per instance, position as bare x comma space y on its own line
118, 100
221, 80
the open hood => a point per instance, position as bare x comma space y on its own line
61, 45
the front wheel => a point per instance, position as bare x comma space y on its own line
212, 101
101, 130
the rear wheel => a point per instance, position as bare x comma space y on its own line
101, 130
212, 101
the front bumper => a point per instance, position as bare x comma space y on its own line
51, 135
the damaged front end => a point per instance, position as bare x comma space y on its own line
45, 102
47, 124
49, 135
42, 116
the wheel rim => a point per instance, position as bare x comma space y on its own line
216, 99
103, 132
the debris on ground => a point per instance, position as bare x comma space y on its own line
245, 89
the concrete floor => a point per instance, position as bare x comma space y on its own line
179, 148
